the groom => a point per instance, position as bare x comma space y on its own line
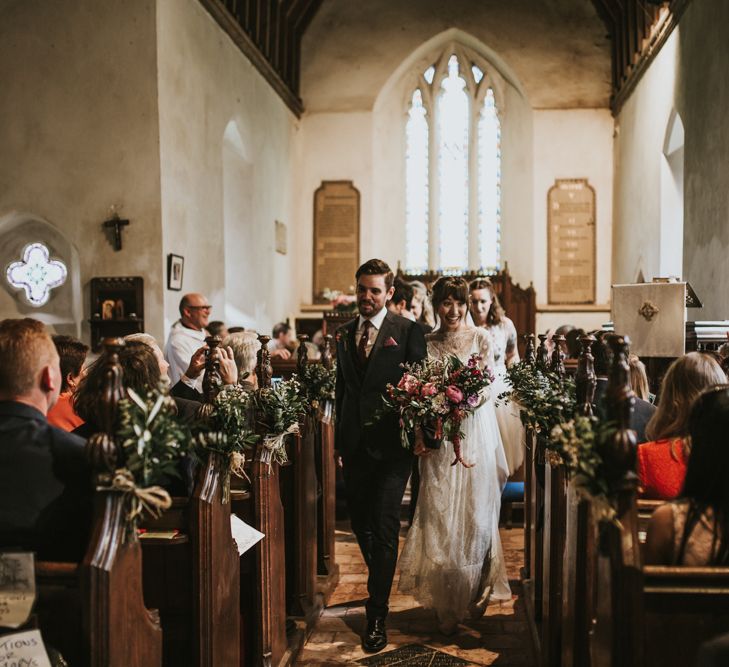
370, 351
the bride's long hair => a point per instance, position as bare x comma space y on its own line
454, 287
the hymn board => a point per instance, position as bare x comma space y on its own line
571, 242
336, 237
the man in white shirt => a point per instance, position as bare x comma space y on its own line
187, 336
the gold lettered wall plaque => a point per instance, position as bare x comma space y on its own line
336, 237
571, 242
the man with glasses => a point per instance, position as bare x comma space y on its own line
187, 336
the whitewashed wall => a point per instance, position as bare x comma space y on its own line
78, 134
688, 77
207, 86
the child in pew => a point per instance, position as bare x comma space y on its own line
662, 461
694, 529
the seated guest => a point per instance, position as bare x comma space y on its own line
72, 353
639, 379
141, 374
282, 341
45, 482
422, 307
574, 346
662, 462
694, 530
218, 328
643, 410
187, 335
186, 387
245, 346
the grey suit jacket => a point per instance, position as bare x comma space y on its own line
359, 390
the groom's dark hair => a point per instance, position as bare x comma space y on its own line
376, 267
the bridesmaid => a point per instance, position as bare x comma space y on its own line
487, 312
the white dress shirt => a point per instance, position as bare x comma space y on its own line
181, 345
376, 321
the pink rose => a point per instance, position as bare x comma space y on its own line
409, 383
454, 394
429, 389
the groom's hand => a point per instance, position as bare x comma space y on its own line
419, 448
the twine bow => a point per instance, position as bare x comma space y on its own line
237, 461
274, 444
153, 499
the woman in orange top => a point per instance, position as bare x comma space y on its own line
72, 353
662, 462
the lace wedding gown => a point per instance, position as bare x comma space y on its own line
452, 558
512, 431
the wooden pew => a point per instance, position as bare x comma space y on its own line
646, 615
263, 581
327, 568
534, 511
580, 538
193, 578
298, 493
553, 541
93, 613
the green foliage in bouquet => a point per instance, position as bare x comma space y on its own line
317, 385
277, 412
152, 439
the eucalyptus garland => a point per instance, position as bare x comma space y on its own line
152, 439
317, 385
547, 405
277, 412
229, 430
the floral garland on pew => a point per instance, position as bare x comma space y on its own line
152, 443
548, 406
277, 411
317, 385
228, 432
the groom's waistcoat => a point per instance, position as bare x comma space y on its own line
360, 386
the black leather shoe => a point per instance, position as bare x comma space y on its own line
375, 636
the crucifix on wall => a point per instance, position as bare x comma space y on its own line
116, 224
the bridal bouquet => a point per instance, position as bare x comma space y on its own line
436, 396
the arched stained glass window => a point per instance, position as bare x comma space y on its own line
452, 118
453, 168
416, 176
489, 183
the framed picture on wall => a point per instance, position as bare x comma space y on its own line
175, 265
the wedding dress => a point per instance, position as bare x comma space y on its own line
513, 435
452, 560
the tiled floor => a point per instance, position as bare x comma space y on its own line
501, 637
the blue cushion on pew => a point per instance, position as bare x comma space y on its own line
513, 492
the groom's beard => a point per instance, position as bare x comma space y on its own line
366, 306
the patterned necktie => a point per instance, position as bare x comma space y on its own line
362, 346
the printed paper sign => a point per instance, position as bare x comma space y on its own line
245, 536
23, 649
17, 588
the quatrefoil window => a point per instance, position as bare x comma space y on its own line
36, 273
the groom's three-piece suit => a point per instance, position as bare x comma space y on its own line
376, 465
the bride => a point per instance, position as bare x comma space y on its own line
452, 559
